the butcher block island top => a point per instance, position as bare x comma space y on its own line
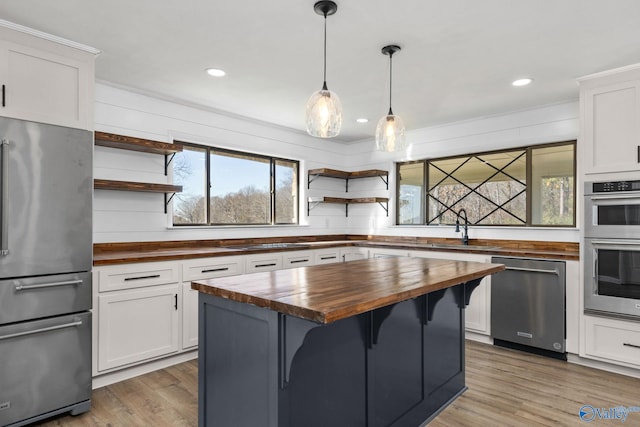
331, 292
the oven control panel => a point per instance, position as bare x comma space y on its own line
606, 187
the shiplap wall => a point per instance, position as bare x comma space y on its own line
128, 216
121, 216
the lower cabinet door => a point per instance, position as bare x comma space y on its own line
189, 317
138, 325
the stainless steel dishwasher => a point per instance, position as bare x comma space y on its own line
528, 305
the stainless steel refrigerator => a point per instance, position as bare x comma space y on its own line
46, 192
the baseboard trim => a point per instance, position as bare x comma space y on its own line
134, 371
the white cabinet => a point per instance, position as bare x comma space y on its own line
386, 253
137, 313
610, 121
612, 340
128, 276
201, 269
297, 259
263, 262
137, 325
478, 312
353, 253
189, 316
46, 81
327, 256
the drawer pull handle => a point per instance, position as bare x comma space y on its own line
48, 285
328, 257
295, 261
153, 276
626, 344
265, 265
211, 270
37, 331
534, 270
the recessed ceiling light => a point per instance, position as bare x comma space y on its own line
216, 72
362, 120
522, 82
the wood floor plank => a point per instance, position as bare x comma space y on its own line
506, 388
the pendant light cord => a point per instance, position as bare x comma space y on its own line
390, 80
324, 76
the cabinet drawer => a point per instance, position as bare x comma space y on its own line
327, 256
613, 339
209, 268
137, 276
263, 262
297, 259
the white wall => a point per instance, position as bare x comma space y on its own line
121, 216
552, 123
129, 216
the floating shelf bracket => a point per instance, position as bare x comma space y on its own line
167, 200
385, 180
311, 205
168, 158
385, 206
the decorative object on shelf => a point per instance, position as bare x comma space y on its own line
324, 110
390, 129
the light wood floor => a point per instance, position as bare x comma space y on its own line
506, 388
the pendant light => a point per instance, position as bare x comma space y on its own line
324, 110
390, 129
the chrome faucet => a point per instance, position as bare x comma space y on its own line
465, 232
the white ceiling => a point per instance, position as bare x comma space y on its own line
457, 61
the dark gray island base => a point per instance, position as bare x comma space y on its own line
368, 343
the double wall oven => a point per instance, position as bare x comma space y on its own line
612, 248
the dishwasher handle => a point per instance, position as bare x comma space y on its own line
534, 270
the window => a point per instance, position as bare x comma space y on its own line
531, 186
223, 187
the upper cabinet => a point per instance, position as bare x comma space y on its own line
610, 120
44, 78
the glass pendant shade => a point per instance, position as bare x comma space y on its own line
324, 114
390, 129
390, 133
324, 109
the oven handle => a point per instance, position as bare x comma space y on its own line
615, 197
621, 242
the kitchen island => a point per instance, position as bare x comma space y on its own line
377, 342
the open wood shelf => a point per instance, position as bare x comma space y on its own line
107, 184
121, 142
312, 174
314, 201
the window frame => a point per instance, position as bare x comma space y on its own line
528, 194
272, 160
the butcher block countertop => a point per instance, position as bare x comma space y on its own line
135, 252
330, 292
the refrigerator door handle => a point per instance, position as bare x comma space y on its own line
48, 285
4, 198
37, 331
